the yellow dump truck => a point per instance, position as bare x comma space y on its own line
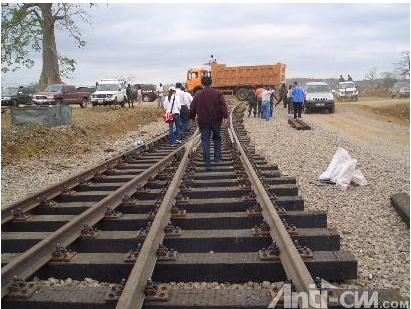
236, 80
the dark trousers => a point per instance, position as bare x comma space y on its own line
271, 108
205, 142
174, 135
252, 106
298, 107
184, 120
130, 100
259, 107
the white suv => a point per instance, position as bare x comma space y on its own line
347, 91
318, 95
109, 92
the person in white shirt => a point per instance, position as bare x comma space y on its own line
160, 95
185, 105
172, 104
212, 59
265, 97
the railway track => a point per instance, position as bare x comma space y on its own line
169, 220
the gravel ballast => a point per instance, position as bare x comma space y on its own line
368, 225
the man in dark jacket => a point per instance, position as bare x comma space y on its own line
129, 93
252, 102
211, 110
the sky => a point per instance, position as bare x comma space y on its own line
159, 42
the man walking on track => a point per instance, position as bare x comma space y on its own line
211, 110
298, 100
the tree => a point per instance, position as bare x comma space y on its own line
31, 27
388, 79
402, 67
371, 75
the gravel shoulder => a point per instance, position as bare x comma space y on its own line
368, 225
34, 158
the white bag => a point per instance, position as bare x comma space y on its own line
342, 170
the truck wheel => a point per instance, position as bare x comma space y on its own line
307, 110
392, 95
83, 103
146, 98
59, 101
93, 104
331, 110
123, 102
15, 103
241, 94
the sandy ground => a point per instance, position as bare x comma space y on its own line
379, 122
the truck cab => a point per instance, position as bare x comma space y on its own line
193, 83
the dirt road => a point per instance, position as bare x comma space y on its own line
378, 122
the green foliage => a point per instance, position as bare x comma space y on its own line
19, 35
66, 66
22, 32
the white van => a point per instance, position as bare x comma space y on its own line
109, 92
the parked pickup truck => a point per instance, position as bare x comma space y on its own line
400, 89
61, 94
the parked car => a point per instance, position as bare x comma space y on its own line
400, 90
13, 96
318, 95
109, 92
61, 94
91, 89
149, 93
347, 91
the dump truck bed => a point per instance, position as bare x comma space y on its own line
258, 75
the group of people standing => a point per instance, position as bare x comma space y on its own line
208, 105
178, 103
261, 100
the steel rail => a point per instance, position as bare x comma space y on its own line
26, 264
57, 189
291, 260
133, 296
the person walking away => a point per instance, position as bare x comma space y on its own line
258, 93
184, 109
272, 97
211, 110
189, 99
160, 95
349, 78
172, 105
129, 93
290, 99
341, 79
252, 102
265, 97
298, 100
139, 95
283, 96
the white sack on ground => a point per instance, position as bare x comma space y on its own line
342, 170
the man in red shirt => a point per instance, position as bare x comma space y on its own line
259, 93
211, 110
